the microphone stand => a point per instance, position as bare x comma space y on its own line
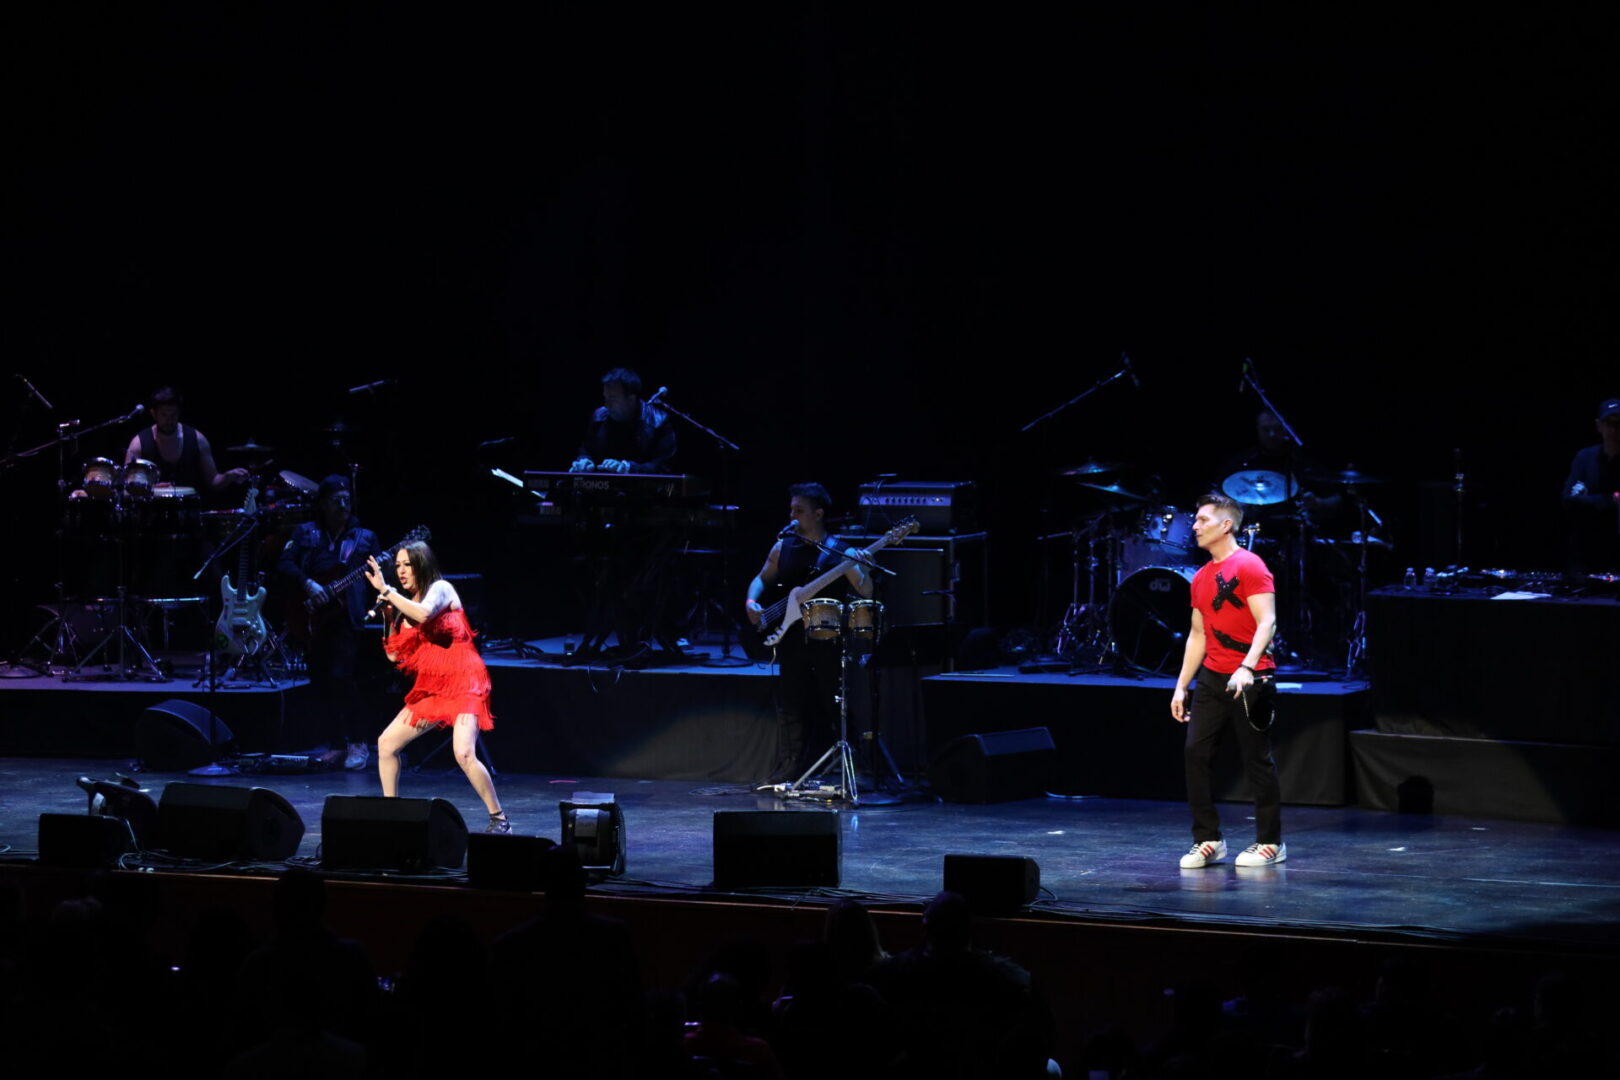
1124, 370
244, 529
1299, 612
728, 512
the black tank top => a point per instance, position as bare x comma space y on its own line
800, 561
187, 471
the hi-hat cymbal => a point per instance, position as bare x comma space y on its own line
251, 447
1092, 468
1116, 492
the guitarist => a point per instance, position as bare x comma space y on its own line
322, 551
808, 681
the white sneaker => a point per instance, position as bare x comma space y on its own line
1263, 855
1201, 855
359, 754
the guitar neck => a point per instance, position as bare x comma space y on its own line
776, 611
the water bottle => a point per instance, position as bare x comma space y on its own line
1410, 581
1428, 577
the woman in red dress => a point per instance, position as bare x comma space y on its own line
428, 636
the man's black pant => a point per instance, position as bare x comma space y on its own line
1214, 710
806, 701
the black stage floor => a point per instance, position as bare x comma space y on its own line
1362, 874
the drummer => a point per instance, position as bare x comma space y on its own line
183, 457
808, 680
1268, 473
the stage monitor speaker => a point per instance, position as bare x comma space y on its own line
82, 840
369, 832
993, 884
172, 736
776, 848
228, 824
515, 863
996, 766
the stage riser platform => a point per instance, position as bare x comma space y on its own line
1438, 663
1519, 781
1116, 738
60, 720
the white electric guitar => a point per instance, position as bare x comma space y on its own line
779, 618
240, 630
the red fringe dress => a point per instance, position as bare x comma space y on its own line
451, 679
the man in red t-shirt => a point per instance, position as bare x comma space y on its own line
1234, 615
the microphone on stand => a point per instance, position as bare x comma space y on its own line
662, 390
1243, 375
132, 414
1130, 369
791, 530
34, 392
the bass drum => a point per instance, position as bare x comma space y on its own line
1150, 616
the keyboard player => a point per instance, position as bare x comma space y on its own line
626, 434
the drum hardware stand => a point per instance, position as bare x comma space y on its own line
1083, 630
845, 789
125, 637
1356, 638
1460, 486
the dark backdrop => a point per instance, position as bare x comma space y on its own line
856, 241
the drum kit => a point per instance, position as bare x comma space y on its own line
134, 546
1134, 557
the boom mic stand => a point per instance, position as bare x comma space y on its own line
727, 515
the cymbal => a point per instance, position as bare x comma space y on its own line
300, 483
1092, 468
1116, 492
1348, 475
251, 447
1257, 487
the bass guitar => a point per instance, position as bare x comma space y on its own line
317, 607
779, 618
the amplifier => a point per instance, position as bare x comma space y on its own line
940, 506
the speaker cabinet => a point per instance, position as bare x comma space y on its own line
993, 884
996, 766
172, 736
369, 832
511, 862
228, 824
82, 840
776, 848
